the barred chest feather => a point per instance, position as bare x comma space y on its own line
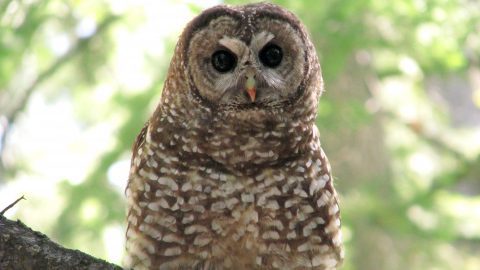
232, 204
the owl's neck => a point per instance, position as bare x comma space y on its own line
242, 145
238, 142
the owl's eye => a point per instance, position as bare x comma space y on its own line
223, 61
271, 55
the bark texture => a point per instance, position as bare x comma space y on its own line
23, 248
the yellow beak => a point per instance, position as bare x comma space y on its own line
250, 88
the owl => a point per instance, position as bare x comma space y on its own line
228, 173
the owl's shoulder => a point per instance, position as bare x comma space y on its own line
139, 141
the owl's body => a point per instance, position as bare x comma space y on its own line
228, 173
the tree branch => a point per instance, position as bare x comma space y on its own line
23, 248
11, 205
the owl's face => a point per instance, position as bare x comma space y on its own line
244, 59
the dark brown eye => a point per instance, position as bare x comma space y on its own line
271, 55
223, 61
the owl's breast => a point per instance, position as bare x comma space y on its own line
189, 209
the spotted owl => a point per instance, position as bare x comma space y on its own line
228, 172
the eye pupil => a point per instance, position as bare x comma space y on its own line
223, 61
271, 55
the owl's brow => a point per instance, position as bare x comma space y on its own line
234, 45
261, 39
237, 46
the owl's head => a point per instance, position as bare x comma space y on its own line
248, 57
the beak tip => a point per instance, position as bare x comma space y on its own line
250, 87
252, 93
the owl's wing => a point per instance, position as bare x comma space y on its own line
139, 142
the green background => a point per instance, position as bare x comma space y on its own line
400, 119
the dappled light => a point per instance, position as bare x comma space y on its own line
399, 119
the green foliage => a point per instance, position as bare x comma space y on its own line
405, 158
